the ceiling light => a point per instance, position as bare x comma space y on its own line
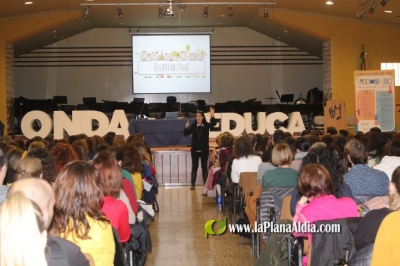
160, 12
265, 11
384, 2
329, 2
119, 12
28, 3
205, 12
362, 11
230, 11
388, 11
169, 13
373, 6
86, 12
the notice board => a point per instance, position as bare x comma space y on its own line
374, 100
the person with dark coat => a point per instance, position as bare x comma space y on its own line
199, 130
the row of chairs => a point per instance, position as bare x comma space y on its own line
273, 205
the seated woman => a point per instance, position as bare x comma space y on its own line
132, 163
77, 212
222, 156
246, 159
283, 175
110, 183
22, 232
318, 202
335, 162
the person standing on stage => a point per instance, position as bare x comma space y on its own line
199, 130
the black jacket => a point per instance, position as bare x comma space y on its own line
200, 134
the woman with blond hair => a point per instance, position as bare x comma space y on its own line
283, 175
22, 232
29, 167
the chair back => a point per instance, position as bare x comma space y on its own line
328, 248
271, 201
285, 212
318, 120
248, 182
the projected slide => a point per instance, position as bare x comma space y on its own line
171, 63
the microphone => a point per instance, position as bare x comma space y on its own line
141, 110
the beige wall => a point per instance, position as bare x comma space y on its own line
17, 29
381, 43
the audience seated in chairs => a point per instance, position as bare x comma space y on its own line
336, 164
318, 201
77, 212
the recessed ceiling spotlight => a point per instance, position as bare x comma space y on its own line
389, 11
28, 3
384, 2
223, 16
329, 2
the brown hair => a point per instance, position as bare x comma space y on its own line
81, 148
357, 151
132, 161
110, 175
243, 147
63, 153
281, 154
78, 197
314, 180
394, 200
226, 140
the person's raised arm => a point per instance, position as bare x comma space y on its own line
213, 121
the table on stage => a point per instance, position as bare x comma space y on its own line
159, 132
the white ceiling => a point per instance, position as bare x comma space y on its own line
141, 16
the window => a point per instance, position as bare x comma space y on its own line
396, 67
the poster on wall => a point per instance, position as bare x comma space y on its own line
335, 114
374, 100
